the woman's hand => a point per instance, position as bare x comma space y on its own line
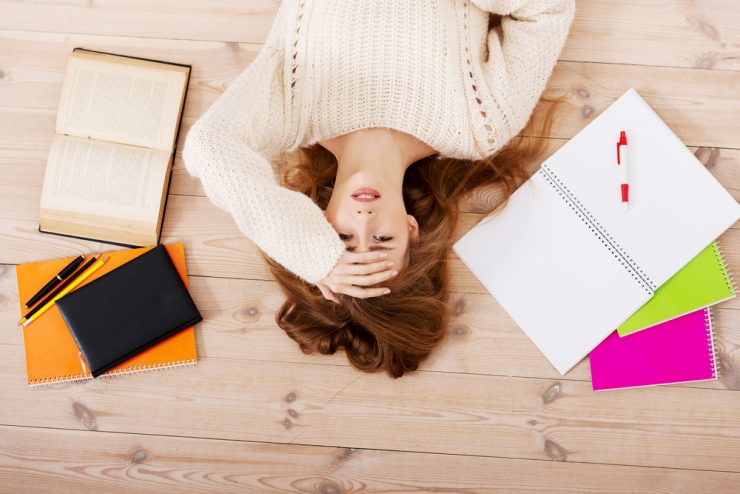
353, 272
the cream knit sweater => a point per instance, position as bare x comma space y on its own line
429, 68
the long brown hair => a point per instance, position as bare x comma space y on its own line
396, 332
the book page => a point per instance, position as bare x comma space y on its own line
104, 178
120, 102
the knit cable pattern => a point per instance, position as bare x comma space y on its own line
429, 68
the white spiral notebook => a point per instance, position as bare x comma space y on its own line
564, 258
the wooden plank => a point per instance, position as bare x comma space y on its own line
701, 35
75, 462
436, 412
678, 96
678, 33
219, 20
33, 64
697, 104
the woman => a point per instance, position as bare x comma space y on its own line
396, 109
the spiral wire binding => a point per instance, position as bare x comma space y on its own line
602, 230
726, 272
67, 378
712, 342
606, 239
113, 373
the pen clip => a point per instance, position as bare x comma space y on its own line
621, 142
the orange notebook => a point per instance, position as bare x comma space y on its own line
52, 355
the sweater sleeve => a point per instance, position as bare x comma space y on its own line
228, 149
522, 55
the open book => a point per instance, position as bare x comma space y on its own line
110, 161
564, 258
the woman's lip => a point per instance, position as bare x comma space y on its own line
366, 195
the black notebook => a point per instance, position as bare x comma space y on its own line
128, 310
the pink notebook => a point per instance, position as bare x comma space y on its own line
679, 350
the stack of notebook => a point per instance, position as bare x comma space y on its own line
671, 338
571, 265
134, 314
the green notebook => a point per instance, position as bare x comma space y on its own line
704, 281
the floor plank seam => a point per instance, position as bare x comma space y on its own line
420, 452
425, 371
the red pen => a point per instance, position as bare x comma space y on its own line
623, 162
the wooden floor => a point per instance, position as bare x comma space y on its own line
486, 413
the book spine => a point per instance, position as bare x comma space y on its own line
726, 272
619, 253
712, 343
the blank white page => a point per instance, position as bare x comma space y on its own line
551, 274
677, 207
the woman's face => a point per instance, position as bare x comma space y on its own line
368, 213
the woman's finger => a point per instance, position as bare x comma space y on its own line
364, 257
369, 279
331, 284
359, 292
327, 293
369, 268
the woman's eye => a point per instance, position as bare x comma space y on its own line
345, 236
382, 238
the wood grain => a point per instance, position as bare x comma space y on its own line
436, 412
485, 413
678, 33
674, 33
71, 462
